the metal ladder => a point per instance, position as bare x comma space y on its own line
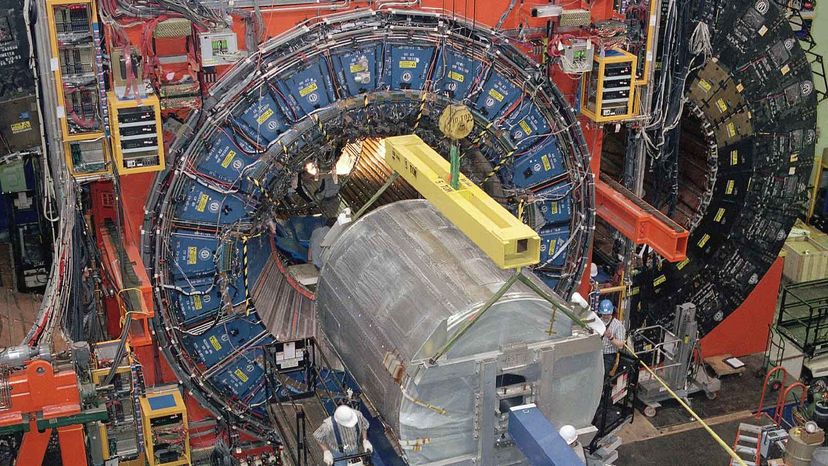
748, 441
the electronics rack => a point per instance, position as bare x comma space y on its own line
166, 432
137, 140
608, 90
120, 437
76, 58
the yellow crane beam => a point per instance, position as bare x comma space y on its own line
503, 237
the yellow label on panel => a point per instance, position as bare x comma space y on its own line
214, 341
704, 240
192, 255
525, 127
682, 264
21, 127
553, 207
794, 157
730, 185
408, 64
661, 279
740, 88
496, 95
731, 129
202, 202
552, 244
763, 30
241, 375
720, 214
459, 77
357, 68
705, 85
546, 165
722, 105
308, 89
734, 157
634, 291
197, 302
228, 158
264, 116
785, 70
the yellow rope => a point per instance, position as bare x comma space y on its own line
690, 410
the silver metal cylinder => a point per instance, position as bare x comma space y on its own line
397, 285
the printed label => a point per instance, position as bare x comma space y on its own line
525, 127
241, 375
192, 255
308, 89
214, 341
496, 95
459, 77
264, 116
21, 127
228, 158
202, 202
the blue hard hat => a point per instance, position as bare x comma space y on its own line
606, 307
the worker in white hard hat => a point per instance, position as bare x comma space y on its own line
343, 434
613, 339
570, 436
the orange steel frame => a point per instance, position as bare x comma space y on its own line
38, 392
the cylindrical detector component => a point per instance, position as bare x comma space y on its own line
397, 286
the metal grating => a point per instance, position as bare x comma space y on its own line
369, 174
175, 27
285, 308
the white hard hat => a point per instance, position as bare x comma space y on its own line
345, 416
593, 270
579, 300
569, 434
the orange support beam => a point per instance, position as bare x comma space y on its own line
72, 445
639, 221
125, 259
33, 447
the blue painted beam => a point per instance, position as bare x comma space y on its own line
538, 439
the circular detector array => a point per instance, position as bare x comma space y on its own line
258, 169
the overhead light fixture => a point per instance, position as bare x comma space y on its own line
346, 163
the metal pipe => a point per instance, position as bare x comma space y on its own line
498, 294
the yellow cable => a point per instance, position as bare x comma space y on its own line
690, 410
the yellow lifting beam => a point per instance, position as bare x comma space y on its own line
504, 238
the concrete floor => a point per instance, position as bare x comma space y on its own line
674, 437
17, 314
17, 310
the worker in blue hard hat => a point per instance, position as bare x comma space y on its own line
613, 337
